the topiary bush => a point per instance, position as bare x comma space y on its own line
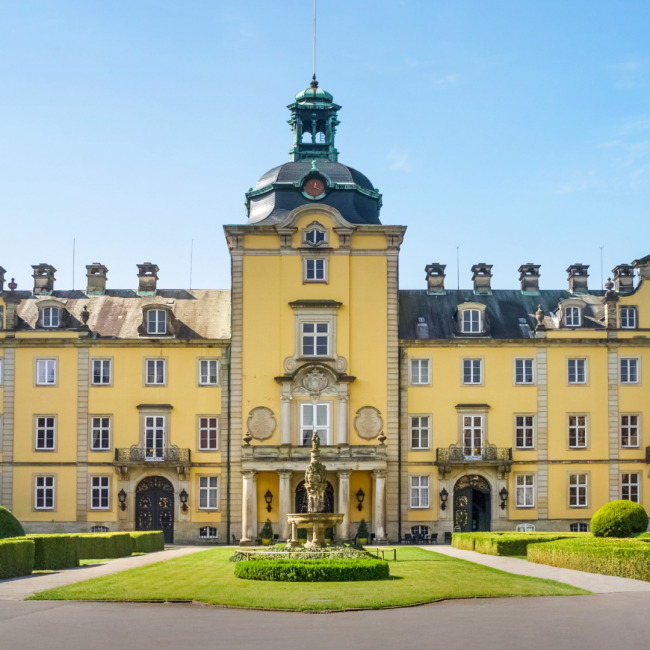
148, 541
312, 570
619, 519
9, 525
16, 558
98, 546
267, 530
54, 552
362, 531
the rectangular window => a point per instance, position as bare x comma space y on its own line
629, 430
525, 490
419, 371
419, 491
525, 431
420, 433
314, 270
471, 321
314, 418
46, 372
101, 372
579, 528
524, 371
628, 318
209, 372
45, 433
577, 431
629, 371
101, 434
578, 490
155, 372
44, 493
473, 436
156, 321
99, 492
208, 493
315, 339
154, 437
472, 371
50, 317
208, 433
577, 371
572, 318
630, 487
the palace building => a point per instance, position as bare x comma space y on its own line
438, 410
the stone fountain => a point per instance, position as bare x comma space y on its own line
315, 518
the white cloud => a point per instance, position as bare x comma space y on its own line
399, 160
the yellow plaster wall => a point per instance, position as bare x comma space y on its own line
65, 497
558, 490
268, 481
363, 481
205, 516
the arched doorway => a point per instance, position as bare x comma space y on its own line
154, 506
301, 498
472, 504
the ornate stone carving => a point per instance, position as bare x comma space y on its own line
341, 365
315, 382
368, 423
290, 364
261, 423
474, 481
315, 479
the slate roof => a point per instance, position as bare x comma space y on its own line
118, 314
503, 310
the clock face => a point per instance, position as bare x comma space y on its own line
314, 187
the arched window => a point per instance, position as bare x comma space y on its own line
314, 237
51, 317
99, 529
320, 138
208, 532
306, 136
156, 321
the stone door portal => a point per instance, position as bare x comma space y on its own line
154, 506
472, 505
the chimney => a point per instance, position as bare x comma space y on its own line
624, 278
435, 278
96, 274
147, 277
422, 329
610, 299
578, 278
642, 267
482, 275
2, 279
43, 279
529, 277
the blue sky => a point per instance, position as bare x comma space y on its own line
517, 130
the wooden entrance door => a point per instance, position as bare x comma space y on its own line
154, 506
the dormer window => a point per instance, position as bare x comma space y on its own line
51, 317
314, 237
573, 317
156, 321
471, 321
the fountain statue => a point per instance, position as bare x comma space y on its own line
315, 518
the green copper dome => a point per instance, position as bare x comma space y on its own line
314, 94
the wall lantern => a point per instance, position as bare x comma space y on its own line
183, 497
444, 495
360, 497
121, 496
268, 497
504, 497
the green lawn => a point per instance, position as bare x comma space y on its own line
418, 576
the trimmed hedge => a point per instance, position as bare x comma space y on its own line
626, 558
619, 519
312, 570
148, 541
16, 557
98, 546
9, 525
53, 552
506, 543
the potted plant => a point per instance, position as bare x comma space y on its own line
267, 533
302, 536
362, 532
329, 535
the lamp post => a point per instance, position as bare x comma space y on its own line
268, 497
360, 497
444, 495
183, 497
121, 497
504, 497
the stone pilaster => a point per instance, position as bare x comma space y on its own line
404, 435
8, 384
379, 505
285, 503
224, 501
285, 414
542, 432
249, 507
612, 421
344, 503
83, 381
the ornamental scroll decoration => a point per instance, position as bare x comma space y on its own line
368, 423
261, 423
474, 481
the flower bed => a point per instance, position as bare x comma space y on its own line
506, 543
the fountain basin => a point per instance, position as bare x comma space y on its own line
318, 522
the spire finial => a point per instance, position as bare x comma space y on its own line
314, 40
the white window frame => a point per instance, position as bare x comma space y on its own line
48, 317
45, 427
205, 372
579, 527
208, 493
579, 490
525, 528
103, 364
629, 370
47, 484
573, 316
420, 372
630, 482
154, 324
46, 368
471, 321
100, 488
319, 232
208, 532
576, 374
527, 428
317, 274
315, 335
419, 488
157, 364
472, 374
577, 427
525, 490
155, 434
209, 428
101, 424
420, 432
523, 362
631, 429
320, 429
469, 432
628, 321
